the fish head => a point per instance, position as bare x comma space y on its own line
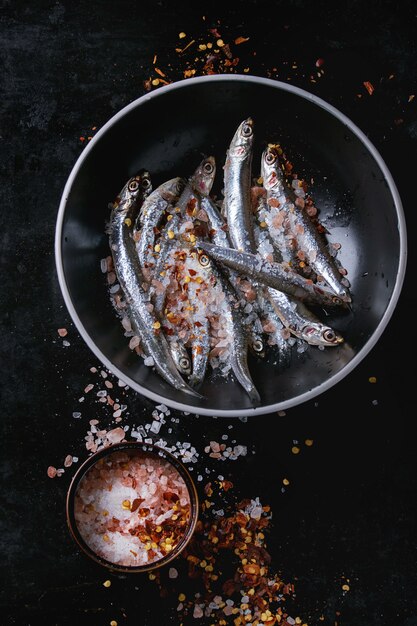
242, 142
137, 188
203, 177
270, 167
257, 346
181, 357
318, 334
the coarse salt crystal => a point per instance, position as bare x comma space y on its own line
62, 332
148, 361
173, 573
116, 435
68, 460
52, 471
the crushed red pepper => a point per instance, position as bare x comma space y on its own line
229, 567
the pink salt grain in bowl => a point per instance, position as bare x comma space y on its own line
132, 507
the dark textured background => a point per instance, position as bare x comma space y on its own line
350, 511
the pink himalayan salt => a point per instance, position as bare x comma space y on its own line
121, 498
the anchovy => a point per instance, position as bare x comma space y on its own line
237, 186
200, 181
276, 336
129, 273
276, 275
219, 235
200, 349
152, 212
301, 322
308, 238
237, 332
167, 242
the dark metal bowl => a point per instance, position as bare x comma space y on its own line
167, 132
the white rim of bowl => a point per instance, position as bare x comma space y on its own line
270, 408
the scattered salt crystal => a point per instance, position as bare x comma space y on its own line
114, 288
93, 370
103, 374
108, 384
198, 612
76, 415
117, 413
228, 610
52, 471
121, 383
81, 399
256, 512
148, 361
116, 435
103, 265
134, 342
68, 460
102, 393
88, 388
66, 343
162, 407
245, 599
291, 620
75, 459
60, 471
173, 573
155, 427
62, 332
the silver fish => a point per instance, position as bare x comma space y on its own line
237, 331
308, 238
180, 355
167, 242
237, 187
152, 212
276, 275
201, 181
301, 322
128, 271
219, 235
200, 349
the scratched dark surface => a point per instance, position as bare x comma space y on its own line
350, 511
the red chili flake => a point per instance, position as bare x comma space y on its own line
136, 504
215, 32
319, 62
82, 139
192, 272
369, 87
160, 72
240, 40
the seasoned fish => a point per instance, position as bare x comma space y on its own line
309, 240
128, 271
237, 187
276, 275
151, 215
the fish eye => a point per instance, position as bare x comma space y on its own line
184, 363
329, 335
204, 260
208, 168
270, 158
258, 345
247, 130
133, 184
336, 300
